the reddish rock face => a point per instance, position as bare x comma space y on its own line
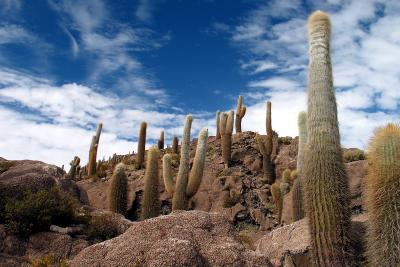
192, 238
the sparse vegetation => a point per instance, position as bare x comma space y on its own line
101, 228
353, 154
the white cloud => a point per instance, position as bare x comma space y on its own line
144, 11
15, 34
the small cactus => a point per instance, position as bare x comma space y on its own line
73, 171
188, 181
218, 134
286, 176
285, 184
161, 141
326, 182
93, 151
151, 196
175, 145
383, 197
118, 190
141, 145
240, 112
278, 199
226, 129
293, 176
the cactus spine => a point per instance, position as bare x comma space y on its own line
118, 190
226, 129
175, 142
218, 134
298, 195
326, 183
383, 197
240, 112
73, 171
151, 196
161, 141
141, 145
187, 183
93, 151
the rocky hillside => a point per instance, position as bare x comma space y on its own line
236, 194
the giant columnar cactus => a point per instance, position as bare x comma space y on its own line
161, 141
240, 112
175, 145
141, 145
118, 190
278, 199
187, 183
151, 196
297, 197
218, 134
226, 129
383, 197
326, 184
74, 167
93, 151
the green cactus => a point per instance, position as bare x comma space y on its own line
73, 171
141, 145
93, 151
161, 141
226, 130
285, 184
286, 176
326, 183
298, 194
151, 196
383, 197
175, 145
278, 199
293, 176
188, 181
118, 190
240, 112
218, 134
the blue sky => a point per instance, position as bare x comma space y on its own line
67, 65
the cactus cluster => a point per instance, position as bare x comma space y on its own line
118, 192
226, 129
91, 168
141, 145
240, 112
188, 181
326, 184
383, 197
151, 196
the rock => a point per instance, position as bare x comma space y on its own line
287, 208
357, 173
291, 244
286, 158
183, 238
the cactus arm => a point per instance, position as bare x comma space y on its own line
167, 174
196, 173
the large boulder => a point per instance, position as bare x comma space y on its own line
183, 238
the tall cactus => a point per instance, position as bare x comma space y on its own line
278, 199
226, 130
218, 134
240, 112
188, 181
161, 141
74, 167
93, 151
151, 196
326, 183
141, 145
298, 195
265, 146
175, 145
383, 197
118, 190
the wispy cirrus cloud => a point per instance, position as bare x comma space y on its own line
364, 50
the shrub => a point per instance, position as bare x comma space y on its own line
101, 228
286, 140
353, 154
36, 211
49, 261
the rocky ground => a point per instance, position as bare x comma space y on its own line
234, 222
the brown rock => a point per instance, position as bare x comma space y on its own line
192, 238
357, 172
287, 208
